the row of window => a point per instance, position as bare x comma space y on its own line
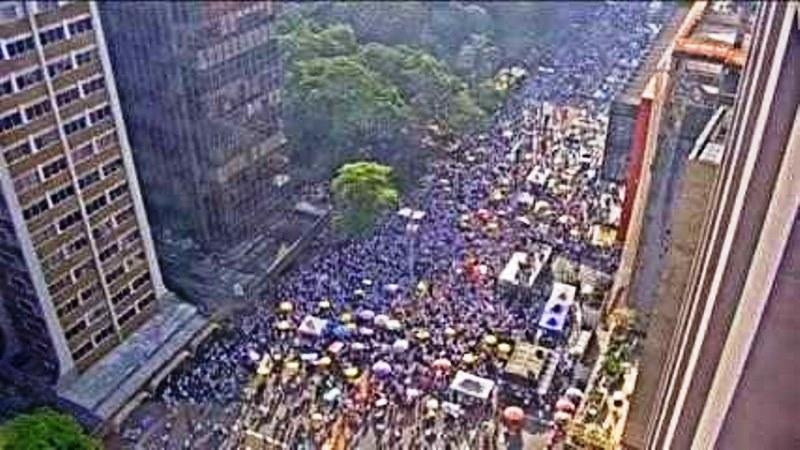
101, 114
22, 46
35, 76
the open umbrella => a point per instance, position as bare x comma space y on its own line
365, 331
346, 317
490, 340
351, 327
469, 358
324, 304
381, 402
366, 282
504, 348
391, 288
292, 366
366, 314
574, 393
513, 414
382, 368
325, 361
350, 372
253, 355
341, 332
283, 325
393, 325
380, 320
400, 345
432, 404
336, 347
422, 335
286, 307
449, 331
359, 346
442, 364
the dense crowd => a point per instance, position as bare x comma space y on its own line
418, 299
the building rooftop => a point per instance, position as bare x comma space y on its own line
108, 384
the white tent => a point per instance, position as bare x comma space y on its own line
472, 385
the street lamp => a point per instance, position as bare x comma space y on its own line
413, 218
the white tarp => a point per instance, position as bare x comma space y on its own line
510, 273
313, 325
557, 307
472, 385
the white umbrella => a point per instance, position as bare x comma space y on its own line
382, 367
367, 314
366, 282
432, 404
400, 345
393, 324
253, 355
381, 319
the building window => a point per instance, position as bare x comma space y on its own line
121, 295
69, 220
18, 152
10, 121
20, 47
55, 69
89, 292
112, 167
114, 274
29, 79
10, 11
46, 233
85, 57
62, 194
127, 315
93, 85
35, 209
46, 5
60, 284
83, 350
113, 194
80, 26
68, 96
96, 204
68, 307
108, 252
107, 141
89, 179
37, 110
100, 115
124, 216
52, 35
83, 152
140, 280
103, 334
145, 302
54, 168
45, 140
26, 181
75, 126
6, 88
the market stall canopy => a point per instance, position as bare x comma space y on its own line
472, 385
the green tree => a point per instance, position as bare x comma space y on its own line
362, 191
45, 429
477, 58
302, 40
340, 104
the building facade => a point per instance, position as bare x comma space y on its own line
78, 267
200, 87
729, 377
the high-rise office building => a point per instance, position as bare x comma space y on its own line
728, 379
78, 270
200, 88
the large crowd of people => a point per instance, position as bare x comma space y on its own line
399, 312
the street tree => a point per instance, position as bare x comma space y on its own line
362, 191
45, 429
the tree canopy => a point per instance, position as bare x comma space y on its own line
45, 429
362, 191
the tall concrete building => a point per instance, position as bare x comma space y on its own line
728, 375
78, 272
200, 88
